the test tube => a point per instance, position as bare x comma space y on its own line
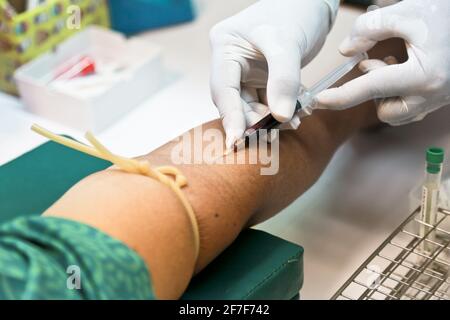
430, 197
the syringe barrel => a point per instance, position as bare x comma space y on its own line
307, 96
337, 74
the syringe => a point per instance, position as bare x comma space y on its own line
305, 102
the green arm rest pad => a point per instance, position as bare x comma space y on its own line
256, 266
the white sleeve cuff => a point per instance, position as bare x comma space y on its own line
334, 7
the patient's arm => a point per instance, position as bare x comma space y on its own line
147, 216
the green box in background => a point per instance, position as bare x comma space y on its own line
134, 16
24, 36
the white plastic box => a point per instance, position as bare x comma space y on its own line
143, 76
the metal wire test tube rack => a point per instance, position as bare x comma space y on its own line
411, 264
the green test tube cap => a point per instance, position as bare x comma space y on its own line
435, 157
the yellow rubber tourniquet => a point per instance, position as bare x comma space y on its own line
175, 182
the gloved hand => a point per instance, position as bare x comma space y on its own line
264, 47
422, 84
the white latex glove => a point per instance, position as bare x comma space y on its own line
264, 47
422, 83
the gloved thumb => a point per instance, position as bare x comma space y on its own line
284, 82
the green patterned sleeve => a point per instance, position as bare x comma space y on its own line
49, 258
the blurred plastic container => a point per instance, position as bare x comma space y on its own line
133, 16
140, 74
26, 35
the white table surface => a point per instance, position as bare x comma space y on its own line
357, 203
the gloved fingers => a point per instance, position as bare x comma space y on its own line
253, 109
375, 26
252, 116
387, 105
249, 94
399, 111
389, 109
262, 95
283, 83
390, 60
225, 91
365, 66
254, 73
256, 100
395, 111
370, 65
383, 82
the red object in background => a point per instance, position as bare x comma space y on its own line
77, 67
